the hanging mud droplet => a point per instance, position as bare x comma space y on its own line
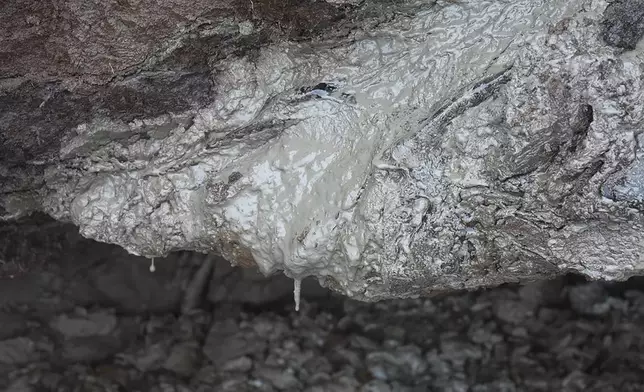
152, 267
296, 293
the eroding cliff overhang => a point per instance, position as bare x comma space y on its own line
450, 146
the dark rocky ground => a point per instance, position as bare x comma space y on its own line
82, 316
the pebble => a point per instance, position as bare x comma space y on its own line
183, 359
540, 337
17, 351
241, 365
84, 325
280, 378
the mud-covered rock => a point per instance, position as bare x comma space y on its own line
353, 142
391, 149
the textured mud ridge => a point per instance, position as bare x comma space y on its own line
88, 316
390, 149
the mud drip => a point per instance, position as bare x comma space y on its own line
296, 293
152, 267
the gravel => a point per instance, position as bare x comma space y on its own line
564, 335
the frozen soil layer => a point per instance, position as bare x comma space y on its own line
86, 316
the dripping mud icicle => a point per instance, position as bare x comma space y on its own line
296, 293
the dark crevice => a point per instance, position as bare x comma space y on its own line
580, 130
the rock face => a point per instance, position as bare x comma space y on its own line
391, 149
